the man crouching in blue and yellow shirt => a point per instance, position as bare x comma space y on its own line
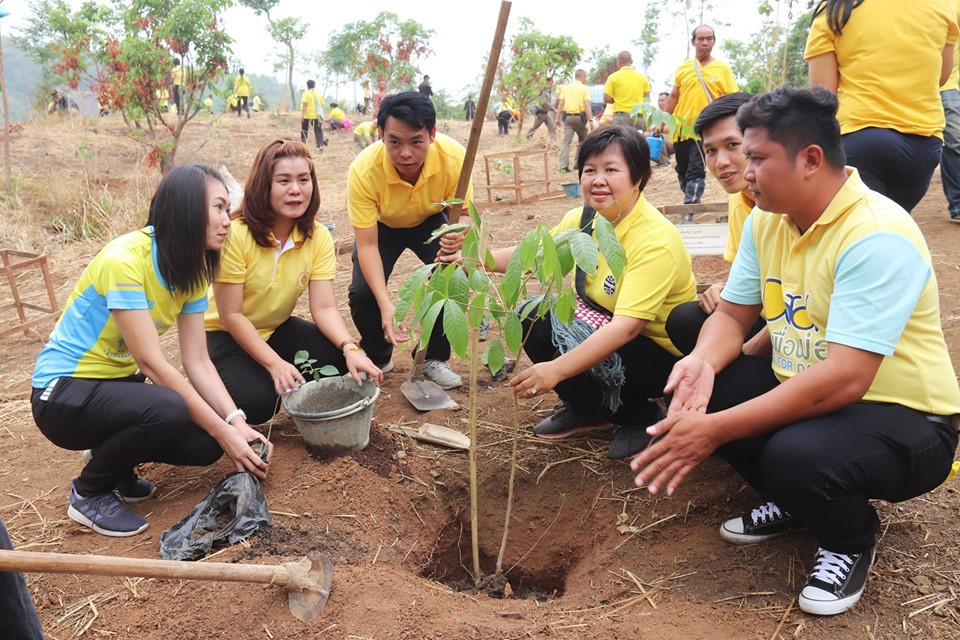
861, 401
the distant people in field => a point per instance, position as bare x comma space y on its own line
425, 87
241, 87
311, 114
337, 117
365, 134
544, 111
950, 160
469, 108
625, 89
504, 114
257, 103
88, 382
574, 111
663, 132
888, 83
367, 96
176, 78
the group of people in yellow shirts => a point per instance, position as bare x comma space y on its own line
819, 370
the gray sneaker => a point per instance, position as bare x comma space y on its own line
566, 422
105, 514
440, 372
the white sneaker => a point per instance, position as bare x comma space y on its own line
86, 455
836, 582
387, 368
440, 372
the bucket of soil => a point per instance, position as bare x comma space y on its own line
333, 414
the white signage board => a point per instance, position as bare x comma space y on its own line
704, 239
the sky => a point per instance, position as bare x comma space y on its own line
464, 32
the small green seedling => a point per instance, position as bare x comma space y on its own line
303, 360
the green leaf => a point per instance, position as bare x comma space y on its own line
489, 260
445, 229
479, 281
584, 249
470, 250
329, 370
510, 284
300, 357
424, 305
610, 247
407, 294
546, 304
459, 287
447, 201
565, 236
495, 356
455, 328
566, 305
429, 320
513, 333
438, 282
474, 214
476, 310
565, 258
529, 306
551, 262
526, 252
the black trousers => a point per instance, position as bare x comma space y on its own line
243, 105
363, 305
690, 170
685, 321
17, 614
249, 383
317, 131
125, 422
898, 165
645, 363
825, 470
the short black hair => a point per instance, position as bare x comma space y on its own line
797, 118
664, 93
178, 215
723, 107
241, 70
411, 107
632, 145
334, 105
311, 84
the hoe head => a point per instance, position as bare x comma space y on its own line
309, 586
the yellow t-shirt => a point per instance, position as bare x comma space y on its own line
86, 342
337, 114
953, 82
626, 86
272, 283
176, 75
693, 99
375, 192
367, 128
241, 86
889, 64
574, 95
737, 211
859, 276
312, 99
658, 274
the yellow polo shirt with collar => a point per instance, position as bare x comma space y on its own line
657, 277
376, 192
860, 276
738, 209
366, 128
889, 64
953, 82
337, 114
272, 278
574, 95
627, 87
312, 99
693, 99
241, 86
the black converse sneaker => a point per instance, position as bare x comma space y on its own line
836, 582
765, 522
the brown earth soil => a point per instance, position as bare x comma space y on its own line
394, 518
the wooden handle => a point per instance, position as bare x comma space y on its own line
33, 562
477, 127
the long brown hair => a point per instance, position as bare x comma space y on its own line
838, 13
255, 209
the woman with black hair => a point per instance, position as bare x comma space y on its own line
276, 250
87, 383
887, 78
616, 354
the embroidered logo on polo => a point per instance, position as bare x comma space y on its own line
793, 333
302, 280
609, 284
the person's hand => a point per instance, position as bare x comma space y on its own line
535, 380
285, 376
450, 244
711, 298
234, 443
447, 258
395, 333
358, 361
686, 438
691, 383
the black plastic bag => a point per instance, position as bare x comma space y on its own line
233, 511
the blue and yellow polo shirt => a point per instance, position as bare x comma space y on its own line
859, 276
86, 342
738, 209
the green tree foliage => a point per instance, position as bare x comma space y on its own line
530, 60
286, 32
649, 40
774, 55
601, 63
385, 49
127, 51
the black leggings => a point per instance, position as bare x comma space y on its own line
898, 165
317, 131
685, 321
249, 383
19, 617
825, 470
645, 363
125, 422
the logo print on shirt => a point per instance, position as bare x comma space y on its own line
302, 280
609, 285
777, 304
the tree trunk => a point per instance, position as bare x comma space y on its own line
293, 95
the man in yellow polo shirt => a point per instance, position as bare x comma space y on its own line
241, 87
573, 109
697, 83
626, 88
859, 399
394, 188
311, 114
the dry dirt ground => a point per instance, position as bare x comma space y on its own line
394, 518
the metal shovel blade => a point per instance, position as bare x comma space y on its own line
424, 395
307, 602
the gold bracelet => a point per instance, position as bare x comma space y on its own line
352, 346
346, 342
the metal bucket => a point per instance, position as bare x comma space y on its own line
333, 413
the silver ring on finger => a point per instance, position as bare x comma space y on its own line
533, 391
